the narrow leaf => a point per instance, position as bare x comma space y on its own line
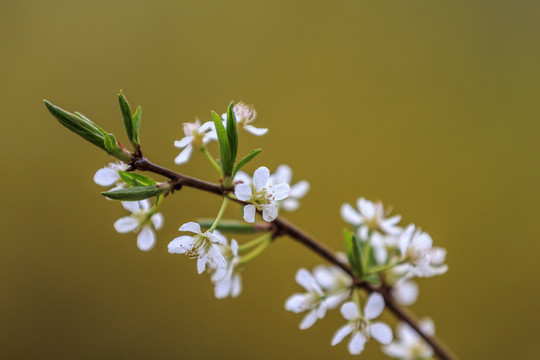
136, 125
113, 148
79, 125
354, 252
224, 146
125, 110
133, 179
245, 160
232, 131
137, 192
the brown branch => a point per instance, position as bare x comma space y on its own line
283, 227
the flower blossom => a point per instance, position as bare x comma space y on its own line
410, 345
142, 221
196, 135
283, 175
360, 326
205, 247
370, 217
423, 259
109, 176
228, 281
245, 115
313, 301
261, 195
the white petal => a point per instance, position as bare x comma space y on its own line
255, 131
427, 325
184, 156
300, 189
217, 237
126, 224
236, 287
349, 310
260, 177
249, 213
157, 220
422, 241
270, 212
308, 320
216, 258
381, 332
131, 206
357, 343
374, 306
283, 174
242, 177
406, 334
209, 125
341, 333
222, 289
146, 239
210, 136
290, 204
304, 279
201, 264
191, 226
180, 244
234, 247
406, 292
366, 207
183, 142
363, 232
106, 177
350, 215
396, 350
243, 191
145, 204
405, 239
281, 191
295, 303
438, 255
324, 277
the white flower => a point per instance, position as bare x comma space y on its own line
283, 175
410, 345
313, 301
261, 195
245, 114
360, 326
108, 176
202, 246
196, 135
423, 259
228, 281
333, 280
370, 217
141, 221
381, 245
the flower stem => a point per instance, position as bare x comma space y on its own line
266, 240
252, 243
220, 214
210, 158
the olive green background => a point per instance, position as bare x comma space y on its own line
429, 106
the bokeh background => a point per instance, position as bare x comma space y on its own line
429, 106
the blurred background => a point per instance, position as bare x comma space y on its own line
431, 107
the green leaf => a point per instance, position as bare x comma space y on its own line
245, 160
230, 226
232, 131
137, 192
125, 110
136, 125
133, 179
224, 146
113, 148
79, 124
354, 253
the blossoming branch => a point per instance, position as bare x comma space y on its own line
381, 257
